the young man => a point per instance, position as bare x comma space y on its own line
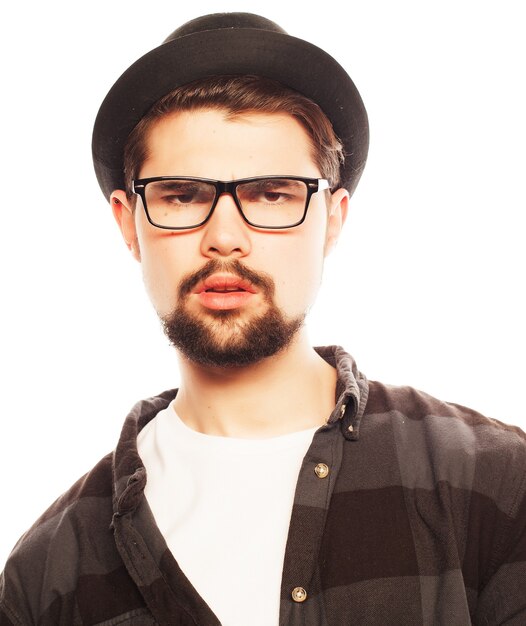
277, 485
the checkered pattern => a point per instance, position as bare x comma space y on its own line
420, 521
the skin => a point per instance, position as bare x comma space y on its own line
294, 389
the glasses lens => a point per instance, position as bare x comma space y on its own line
179, 203
273, 202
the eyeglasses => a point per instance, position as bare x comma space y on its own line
269, 202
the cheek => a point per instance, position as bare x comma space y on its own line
298, 271
159, 279
163, 266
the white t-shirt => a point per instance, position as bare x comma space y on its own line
223, 506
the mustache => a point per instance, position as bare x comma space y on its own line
261, 280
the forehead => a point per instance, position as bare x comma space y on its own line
215, 144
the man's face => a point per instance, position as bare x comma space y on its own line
228, 282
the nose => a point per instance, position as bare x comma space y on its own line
226, 234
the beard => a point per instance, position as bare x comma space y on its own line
222, 338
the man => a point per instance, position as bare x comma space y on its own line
277, 485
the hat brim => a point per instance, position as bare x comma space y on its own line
293, 62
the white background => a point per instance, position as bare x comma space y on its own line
426, 287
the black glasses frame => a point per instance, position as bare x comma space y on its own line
229, 186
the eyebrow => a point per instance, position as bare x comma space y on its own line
271, 183
179, 184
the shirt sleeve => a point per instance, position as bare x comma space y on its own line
502, 600
8, 595
5, 620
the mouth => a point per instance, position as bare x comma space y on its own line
224, 283
224, 291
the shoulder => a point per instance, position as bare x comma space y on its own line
93, 491
407, 404
73, 534
69, 556
436, 441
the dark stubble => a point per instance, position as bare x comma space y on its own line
223, 338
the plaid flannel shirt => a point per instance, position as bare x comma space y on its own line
408, 511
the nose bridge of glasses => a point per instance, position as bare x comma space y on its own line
227, 188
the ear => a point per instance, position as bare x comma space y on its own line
124, 215
339, 206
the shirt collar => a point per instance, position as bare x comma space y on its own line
351, 391
129, 475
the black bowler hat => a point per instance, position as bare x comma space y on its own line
229, 43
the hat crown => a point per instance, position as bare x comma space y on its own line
229, 44
217, 21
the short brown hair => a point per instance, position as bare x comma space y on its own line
237, 95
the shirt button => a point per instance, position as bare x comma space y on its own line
321, 470
299, 594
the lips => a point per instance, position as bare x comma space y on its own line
224, 283
224, 291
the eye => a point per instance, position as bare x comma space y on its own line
274, 196
175, 193
179, 198
179, 193
271, 191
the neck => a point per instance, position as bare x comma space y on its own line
288, 392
